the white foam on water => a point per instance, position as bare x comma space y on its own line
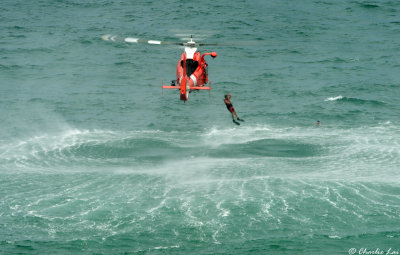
334, 98
219, 136
166, 247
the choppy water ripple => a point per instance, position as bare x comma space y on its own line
133, 209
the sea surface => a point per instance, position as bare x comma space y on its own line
96, 159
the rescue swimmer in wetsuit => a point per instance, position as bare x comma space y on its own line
231, 109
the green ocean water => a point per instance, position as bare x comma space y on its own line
96, 159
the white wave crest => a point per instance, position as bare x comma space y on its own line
333, 98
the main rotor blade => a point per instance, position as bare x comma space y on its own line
116, 38
229, 44
211, 44
190, 43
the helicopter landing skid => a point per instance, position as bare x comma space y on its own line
185, 96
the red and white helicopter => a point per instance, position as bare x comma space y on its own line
191, 70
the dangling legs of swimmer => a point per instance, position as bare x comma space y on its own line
233, 112
237, 117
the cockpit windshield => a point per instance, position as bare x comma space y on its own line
191, 66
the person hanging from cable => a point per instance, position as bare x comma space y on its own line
231, 109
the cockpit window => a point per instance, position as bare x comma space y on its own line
191, 66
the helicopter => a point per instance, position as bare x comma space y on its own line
191, 70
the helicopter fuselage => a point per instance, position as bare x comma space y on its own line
195, 68
192, 72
